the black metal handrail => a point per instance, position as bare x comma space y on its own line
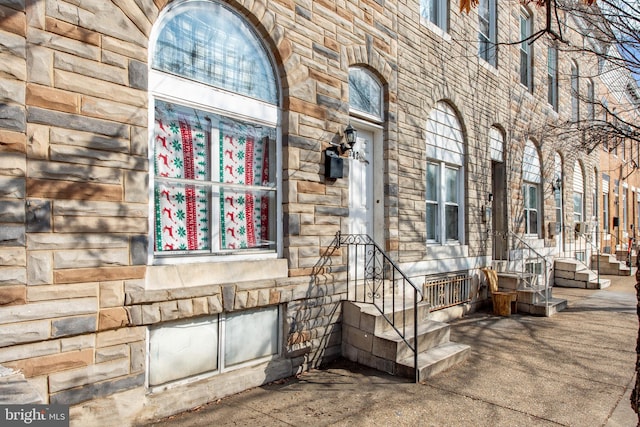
374, 278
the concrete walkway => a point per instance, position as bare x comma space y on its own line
573, 369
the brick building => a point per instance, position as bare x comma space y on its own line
169, 216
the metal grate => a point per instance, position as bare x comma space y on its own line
447, 291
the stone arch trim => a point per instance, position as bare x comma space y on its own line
374, 61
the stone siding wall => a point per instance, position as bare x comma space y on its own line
76, 294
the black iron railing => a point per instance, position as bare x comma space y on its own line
374, 278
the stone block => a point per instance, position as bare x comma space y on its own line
200, 306
136, 186
121, 336
12, 187
87, 375
150, 314
13, 257
13, 276
13, 295
12, 91
135, 315
112, 318
78, 342
240, 300
228, 297
12, 211
101, 224
89, 140
138, 75
185, 307
169, 310
101, 89
60, 179
60, 292
106, 354
73, 326
24, 332
112, 110
38, 216
66, 120
63, 44
25, 351
54, 363
40, 65
138, 356
215, 305
48, 310
66, 259
52, 99
97, 390
13, 117
39, 268
72, 31
12, 235
13, 66
139, 246
111, 294
78, 275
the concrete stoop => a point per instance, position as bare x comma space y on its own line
530, 300
569, 273
609, 265
369, 339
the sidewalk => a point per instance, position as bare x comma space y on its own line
573, 369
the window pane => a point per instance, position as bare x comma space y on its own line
208, 43
533, 222
181, 217
432, 221
577, 204
432, 182
533, 197
365, 94
250, 335
181, 142
451, 183
451, 213
182, 350
245, 219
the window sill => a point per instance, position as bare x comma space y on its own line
435, 29
187, 275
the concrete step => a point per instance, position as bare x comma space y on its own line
434, 361
539, 308
369, 317
389, 345
595, 284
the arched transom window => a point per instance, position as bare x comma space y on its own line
365, 93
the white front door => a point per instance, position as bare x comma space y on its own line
361, 185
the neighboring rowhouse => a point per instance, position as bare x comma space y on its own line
173, 176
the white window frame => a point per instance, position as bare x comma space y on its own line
220, 321
171, 88
441, 203
436, 12
527, 186
526, 49
552, 77
487, 17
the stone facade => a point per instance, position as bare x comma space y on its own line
78, 287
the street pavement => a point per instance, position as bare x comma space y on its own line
575, 368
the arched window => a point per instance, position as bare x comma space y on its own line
365, 94
445, 176
531, 181
496, 142
213, 134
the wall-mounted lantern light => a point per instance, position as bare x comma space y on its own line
332, 161
556, 184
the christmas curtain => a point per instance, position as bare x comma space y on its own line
181, 145
243, 160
